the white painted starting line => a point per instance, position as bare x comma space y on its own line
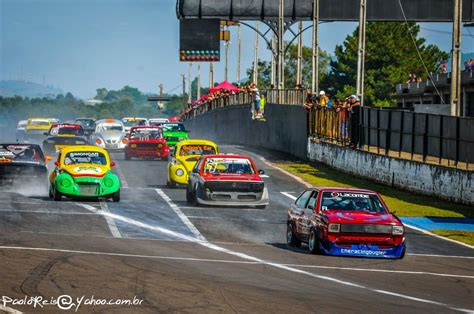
257, 260
112, 226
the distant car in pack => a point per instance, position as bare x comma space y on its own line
23, 164
342, 221
88, 125
84, 172
62, 135
174, 133
36, 127
158, 121
184, 157
226, 179
109, 134
128, 123
20, 130
146, 142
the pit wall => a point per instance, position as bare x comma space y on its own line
285, 129
450, 184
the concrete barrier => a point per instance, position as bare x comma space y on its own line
447, 183
285, 128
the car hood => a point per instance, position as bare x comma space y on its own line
79, 170
360, 217
109, 135
175, 134
235, 177
188, 162
147, 140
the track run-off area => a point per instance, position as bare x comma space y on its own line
153, 246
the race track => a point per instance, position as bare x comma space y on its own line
180, 258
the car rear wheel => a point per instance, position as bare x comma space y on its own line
116, 196
57, 195
51, 195
261, 206
291, 238
313, 242
171, 184
190, 197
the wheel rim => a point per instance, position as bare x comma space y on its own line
289, 234
311, 241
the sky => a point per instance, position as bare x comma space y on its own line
82, 45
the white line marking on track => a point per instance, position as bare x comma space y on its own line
192, 259
438, 255
271, 165
269, 263
123, 181
49, 212
181, 215
438, 236
287, 194
112, 226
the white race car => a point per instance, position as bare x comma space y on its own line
109, 134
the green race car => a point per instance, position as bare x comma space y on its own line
84, 172
174, 133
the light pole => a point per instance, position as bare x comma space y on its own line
255, 59
239, 51
281, 45
455, 101
299, 65
315, 54
361, 52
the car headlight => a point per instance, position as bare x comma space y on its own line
124, 141
108, 182
334, 228
133, 145
397, 230
179, 172
98, 141
66, 182
160, 145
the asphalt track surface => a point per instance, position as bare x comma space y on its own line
180, 258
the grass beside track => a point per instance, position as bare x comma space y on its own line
461, 236
404, 203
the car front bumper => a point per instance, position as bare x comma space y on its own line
233, 198
364, 250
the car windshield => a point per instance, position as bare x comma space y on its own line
38, 122
67, 130
20, 153
173, 127
145, 133
228, 166
135, 122
190, 150
95, 158
110, 127
86, 123
352, 201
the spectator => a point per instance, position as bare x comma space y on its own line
323, 99
444, 68
256, 101
309, 102
354, 109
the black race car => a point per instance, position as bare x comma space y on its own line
65, 134
23, 164
87, 124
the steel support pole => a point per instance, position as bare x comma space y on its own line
226, 70
255, 57
190, 89
315, 57
361, 51
456, 60
211, 75
239, 53
199, 82
299, 66
274, 61
281, 45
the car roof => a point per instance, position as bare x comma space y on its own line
341, 189
21, 144
83, 148
145, 127
196, 142
227, 156
109, 121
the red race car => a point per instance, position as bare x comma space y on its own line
146, 142
226, 179
341, 221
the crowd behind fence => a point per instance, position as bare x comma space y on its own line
428, 138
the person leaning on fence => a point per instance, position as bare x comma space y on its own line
256, 101
354, 110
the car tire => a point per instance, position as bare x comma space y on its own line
261, 206
189, 196
50, 193
171, 184
291, 238
116, 197
57, 195
313, 242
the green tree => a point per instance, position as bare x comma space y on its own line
390, 56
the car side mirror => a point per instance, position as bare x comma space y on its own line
47, 158
261, 172
56, 163
112, 164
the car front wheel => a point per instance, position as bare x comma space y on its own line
189, 196
57, 195
313, 242
291, 238
116, 197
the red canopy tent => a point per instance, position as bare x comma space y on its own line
224, 85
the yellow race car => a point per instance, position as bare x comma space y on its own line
36, 127
184, 158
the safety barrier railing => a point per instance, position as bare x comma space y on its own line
331, 125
